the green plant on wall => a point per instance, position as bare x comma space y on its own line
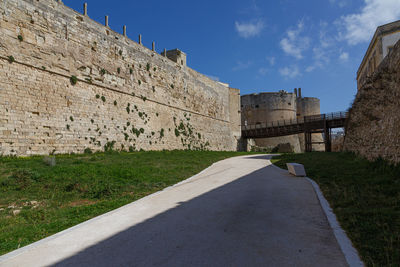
119, 70
20, 38
73, 79
103, 72
11, 59
103, 98
148, 67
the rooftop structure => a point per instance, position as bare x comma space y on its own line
385, 37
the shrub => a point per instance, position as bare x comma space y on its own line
119, 70
88, 151
103, 71
73, 79
115, 102
103, 98
148, 67
130, 70
11, 59
97, 96
20, 38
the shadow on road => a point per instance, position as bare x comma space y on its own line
260, 219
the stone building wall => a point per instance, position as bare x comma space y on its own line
373, 128
270, 107
307, 106
125, 94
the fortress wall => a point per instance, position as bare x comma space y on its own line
42, 112
307, 106
373, 127
234, 112
270, 107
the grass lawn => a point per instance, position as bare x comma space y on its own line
80, 187
365, 197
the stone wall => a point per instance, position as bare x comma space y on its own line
308, 106
270, 107
373, 128
68, 83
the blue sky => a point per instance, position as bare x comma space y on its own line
260, 46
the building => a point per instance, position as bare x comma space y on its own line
385, 37
274, 107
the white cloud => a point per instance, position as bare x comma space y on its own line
294, 44
242, 65
290, 72
271, 60
340, 3
310, 68
262, 71
360, 27
344, 56
249, 29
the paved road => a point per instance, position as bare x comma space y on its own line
240, 212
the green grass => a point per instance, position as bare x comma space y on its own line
365, 197
81, 187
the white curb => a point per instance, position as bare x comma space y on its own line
350, 253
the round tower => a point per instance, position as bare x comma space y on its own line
270, 107
307, 106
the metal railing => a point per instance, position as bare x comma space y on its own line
313, 118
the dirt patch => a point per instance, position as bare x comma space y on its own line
81, 202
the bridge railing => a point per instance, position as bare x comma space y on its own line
301, 120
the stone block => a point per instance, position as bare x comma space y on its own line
296, 169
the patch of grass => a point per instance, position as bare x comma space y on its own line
80, 187
365, 197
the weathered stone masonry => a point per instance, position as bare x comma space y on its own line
373, 127
125, 94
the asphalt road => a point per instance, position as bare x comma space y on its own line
239, 212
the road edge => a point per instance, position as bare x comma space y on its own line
19, 251
350, 253
346, 246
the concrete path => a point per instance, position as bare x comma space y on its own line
239, 212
